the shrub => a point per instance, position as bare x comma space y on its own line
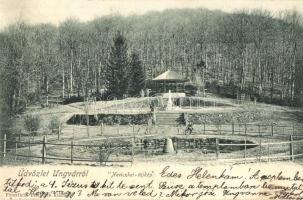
244, 116
54, 124
32, 123
73, 99
182, 119
111, 119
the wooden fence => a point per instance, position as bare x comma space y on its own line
260, 130
259, 150
126, 148
37, 152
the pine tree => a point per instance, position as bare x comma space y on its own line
136, 76
117, 66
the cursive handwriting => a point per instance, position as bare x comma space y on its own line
167, 183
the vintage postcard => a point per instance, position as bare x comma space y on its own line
151, 99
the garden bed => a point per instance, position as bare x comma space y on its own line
110, 119
230, 117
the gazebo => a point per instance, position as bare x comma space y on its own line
169, 80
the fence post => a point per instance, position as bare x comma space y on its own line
19, 138
71, 151
291, 147
260, 143
59, 132
260, 149
29, 149
141, 144
4, 146
272, 129
245, 130
232, 128
245, 149
16, 147
101, 128
268, 152
44, 150
133, 129
259, 130
204, 128
100, 155
73, 131
217, 148
87, 130
147, 127
133, 146
218, 129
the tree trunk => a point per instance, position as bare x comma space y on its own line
63, 83
71, 75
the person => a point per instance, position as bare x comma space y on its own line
152, 107
189, 128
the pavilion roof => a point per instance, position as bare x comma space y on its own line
170, 76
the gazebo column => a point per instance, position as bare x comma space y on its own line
161, 87
181, 100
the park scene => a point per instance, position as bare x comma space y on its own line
186, 86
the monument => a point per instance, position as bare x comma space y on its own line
170, 103
169, 146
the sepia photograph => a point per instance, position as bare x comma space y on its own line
106, 84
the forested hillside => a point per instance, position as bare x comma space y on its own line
248, 51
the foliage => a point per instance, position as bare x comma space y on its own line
253, 52
247, 116
32, 123
182, 119
73, 99
117, 68
111, 119
54, 123
136, 75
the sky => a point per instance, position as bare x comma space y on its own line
56, 11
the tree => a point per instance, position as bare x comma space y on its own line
45, 59
69, 40
117, 67
136, 76
252, 51
16, 66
